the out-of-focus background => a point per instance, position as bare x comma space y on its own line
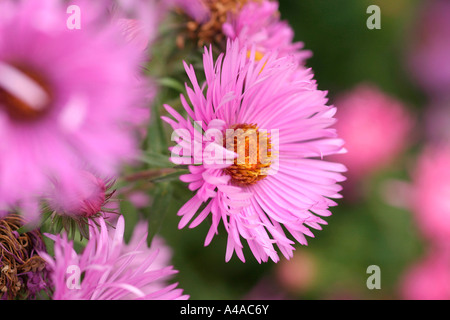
380, 81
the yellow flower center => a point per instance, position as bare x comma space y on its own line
258, 55
254, 150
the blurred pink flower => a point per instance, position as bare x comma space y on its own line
134, 32
429, 51
67, 99
288, 184
266, 289
259, 24
298, 274
139, 199
111, 269
430, 193
196, 9
83, 200
428, 279
376, 129
139, 19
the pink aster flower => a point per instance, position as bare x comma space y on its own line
428, 279
112, 270
161, 261
429, 50
271, 174
259, 24
66, 98
430, 193
376, 129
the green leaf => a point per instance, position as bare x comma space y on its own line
156, 141
173, 176
155, 159
172, 84
162, 198
131, 216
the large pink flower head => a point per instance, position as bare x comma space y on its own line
376, 128
67, 96
430, 193
259, 24
108, 269
428, 279
254, 140
430, 48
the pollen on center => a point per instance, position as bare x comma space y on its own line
254, 149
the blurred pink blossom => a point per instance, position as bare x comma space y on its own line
376, 129
428, 279
266, 288
139, 19
83, 200
298, 274
429, 52
67, 99
139, 199
430, 193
